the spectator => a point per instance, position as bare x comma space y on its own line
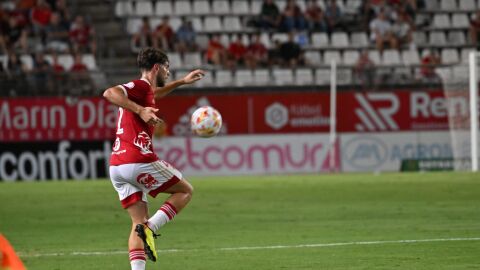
290, 52
256, 52
269, 16
275, 54
315, 17
216, 52
57, 35
163, 36
364, 71
475, 28
59, 76
381, 32
41, 74
430, 61
293, 18
15, 36
402, 32
16, 72
333, 16
236, 52
143, 37
40, 18
186, 37
80, 77
64, 13
82, 36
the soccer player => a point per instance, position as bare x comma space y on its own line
135, 170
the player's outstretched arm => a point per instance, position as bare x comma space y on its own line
188, 79
115, 95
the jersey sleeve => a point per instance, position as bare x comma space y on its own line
133, 90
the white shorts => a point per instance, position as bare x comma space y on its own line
133, 181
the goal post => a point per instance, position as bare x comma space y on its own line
473, 92
333, 115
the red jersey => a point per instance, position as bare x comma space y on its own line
134, 137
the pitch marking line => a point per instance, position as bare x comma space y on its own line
360, 243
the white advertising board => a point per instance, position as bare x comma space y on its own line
241, 155
362, 152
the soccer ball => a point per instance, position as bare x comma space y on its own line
206, 122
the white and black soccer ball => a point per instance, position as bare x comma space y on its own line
206, 122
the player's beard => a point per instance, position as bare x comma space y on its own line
161, 80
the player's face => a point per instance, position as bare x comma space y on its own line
163, 73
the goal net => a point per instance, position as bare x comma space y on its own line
460, 85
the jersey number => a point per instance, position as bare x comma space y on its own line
120, 115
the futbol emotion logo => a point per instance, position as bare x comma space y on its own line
276, 115
146, 179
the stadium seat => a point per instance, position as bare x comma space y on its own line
281, 4
197, 23
344, 76
450, 56
223, 78
320, 40
444, 72
350, 57
240, 7
441, 21
330, 55
175, 22
123, 8
4, 61
402, 75
465, 54
207, 80
410, 57
225, 40
175, 60
201, 7
460, 72
89, 61
221, 6
374, 55
303, 76
261, 77
419, 38
192, 60
322, 76
282, 37
283, 77
448, 5
212, 24
232, 24
432, 5
27, 60
133, 25
457, 38
243, 77
391, 57
66, 60
265, 39
163, 8
359, 39
256, 7
340, 39
460, 20
467, 5
202, 41
437, 38
182, 7
313, 58
143, 8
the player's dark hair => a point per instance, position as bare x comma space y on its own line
148, 57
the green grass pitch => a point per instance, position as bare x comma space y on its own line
344, 221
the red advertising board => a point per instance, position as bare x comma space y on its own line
46, 119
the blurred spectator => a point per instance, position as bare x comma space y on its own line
236, 52
381, 31
475, 28
163, 36
186, 37
143, 37
14, 37
62, 10
80, 77
15, 76
275, 54
364, 71
315, 17
57, 35
41, 74
40, 18
59, 76
269, 16
216, 52
292, 18
333, 16
82, 36
256, 52
402, 32
290, 52
429, 62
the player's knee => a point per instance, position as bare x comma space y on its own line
187, 189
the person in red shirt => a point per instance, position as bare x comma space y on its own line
216, 52
474, 28
135, 169
164, 35
40, 17
236, 52
256, 53
82, 36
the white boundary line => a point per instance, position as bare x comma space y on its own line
103, 253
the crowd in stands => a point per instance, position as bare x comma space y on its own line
41, 44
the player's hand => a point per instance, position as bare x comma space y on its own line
148, 115
193, 76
